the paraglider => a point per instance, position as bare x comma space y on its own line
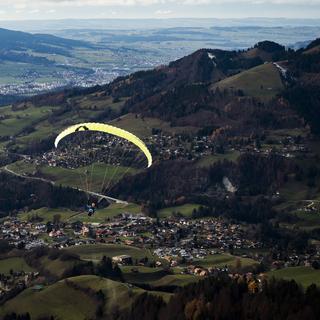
92, 126
111, 130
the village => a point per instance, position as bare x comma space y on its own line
177, 242
168, 239
111, 150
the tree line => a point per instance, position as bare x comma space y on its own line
222, 298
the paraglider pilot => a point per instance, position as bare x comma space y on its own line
91, 209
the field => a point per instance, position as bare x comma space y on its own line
178, 280
15, 264
156, 277
97, 251
308, 221
263, 82
221, 260
185, 210
101, 215
91, 101
117, 294
47, 214
143, 127
15, 121
302, 275
94, 178
90, 177
297, 196
57, 267
141, 274
58, 299
65, 302
210, 160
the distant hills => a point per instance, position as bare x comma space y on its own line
25, 47
37, 62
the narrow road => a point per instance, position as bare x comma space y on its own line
99, 195
27, 177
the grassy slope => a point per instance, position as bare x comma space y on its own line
89, 101
101, 215
294, 193
67, 303
220, 260
97, 251
143, 127
58, 300
145, 274
250, 82
175, 280
98, 174
303, 275
185, 210
47, 214
15, 264
63, 302
116, 293
57, 267
17, 120
210, 160
87, 107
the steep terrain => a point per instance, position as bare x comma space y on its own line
244, 103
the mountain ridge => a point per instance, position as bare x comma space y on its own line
42, 43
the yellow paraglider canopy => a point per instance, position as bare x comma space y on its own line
92, 126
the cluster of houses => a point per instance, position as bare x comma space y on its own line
19, 232
298, 260
167, 147
169, 239
29, 235
97, 147
287, 147
175, 242
15, 281
109, 149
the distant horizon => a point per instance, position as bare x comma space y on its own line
156, 9
172, 18
44, 25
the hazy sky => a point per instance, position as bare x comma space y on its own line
61, 9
